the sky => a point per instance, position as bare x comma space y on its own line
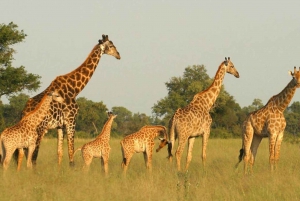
157, 40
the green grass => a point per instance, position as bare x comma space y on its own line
220, 181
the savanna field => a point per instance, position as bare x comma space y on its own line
220, 181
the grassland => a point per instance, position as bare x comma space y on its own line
220, 181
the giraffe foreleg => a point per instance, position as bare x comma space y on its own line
189, 152
204, 145
178, 154
60, 141
20, 158
29, 156
277, 148
272, 144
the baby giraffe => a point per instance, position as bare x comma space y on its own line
98, 148
141, 141
24, 134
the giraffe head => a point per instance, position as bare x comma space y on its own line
163, 142
111, 115
107, 47
56, 96
230, 67
296, 76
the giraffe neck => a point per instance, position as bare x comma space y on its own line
208, 97
105, 133
40, 111
282, 100
74, 82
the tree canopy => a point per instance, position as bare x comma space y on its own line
13, 79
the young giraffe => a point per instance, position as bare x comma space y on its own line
141, 141
24, 134
194, 119
98, 148
268, 122
63, 115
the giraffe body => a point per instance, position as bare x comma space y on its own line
98, 148
63, 115
268, 122
194, 119
141, 141
24, 134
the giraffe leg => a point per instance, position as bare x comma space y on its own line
254, 146
277, 148
105, 163
29, 156
247, 138
204, 145
189, 154
148, 159
125, 162
70, 133
272, 142
178, 154
7, 158
20, 158
60, 141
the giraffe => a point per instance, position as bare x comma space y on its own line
63, 115
99, 147
269, 122
24, 134
141, 141
194, 119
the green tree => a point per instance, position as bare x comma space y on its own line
12, 111
181, 91
13, 79
292, 116
91, 116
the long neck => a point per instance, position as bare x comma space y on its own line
74, 82
105, 133
208, 97
40, 111
282, 100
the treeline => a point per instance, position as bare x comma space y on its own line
227, 115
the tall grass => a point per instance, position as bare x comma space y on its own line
219, 181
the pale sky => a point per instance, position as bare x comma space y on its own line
157, 40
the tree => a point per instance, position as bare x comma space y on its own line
181, 91
91, 116
292, 116
12, 79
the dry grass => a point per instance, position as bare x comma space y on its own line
220, 181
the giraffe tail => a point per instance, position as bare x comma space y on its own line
79, 149
240, 157
172, 137
2, 151
124, 161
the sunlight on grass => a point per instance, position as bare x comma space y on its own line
219, 181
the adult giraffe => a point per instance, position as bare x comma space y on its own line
63, 115
194, 119
268, 121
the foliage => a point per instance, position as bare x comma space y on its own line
91, 116
13, 79
181, 91
12, 112
127, 122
